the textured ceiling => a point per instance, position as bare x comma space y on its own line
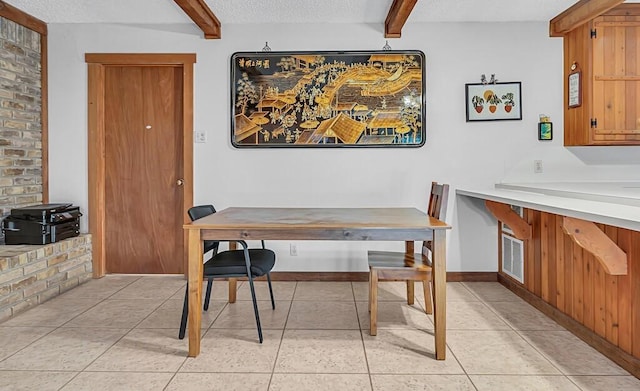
290, 11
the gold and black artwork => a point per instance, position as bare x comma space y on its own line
328, 99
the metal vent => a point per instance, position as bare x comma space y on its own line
513, 257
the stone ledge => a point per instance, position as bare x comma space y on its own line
33, 274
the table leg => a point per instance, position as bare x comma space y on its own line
408, 249
233, 282
440, 291
233, 289
194, 278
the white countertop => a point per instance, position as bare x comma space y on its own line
611, 203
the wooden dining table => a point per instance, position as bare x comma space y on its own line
361, 224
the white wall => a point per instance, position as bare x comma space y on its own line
468, 155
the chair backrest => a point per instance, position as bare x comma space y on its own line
198, 212
438, 199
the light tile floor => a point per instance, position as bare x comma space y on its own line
120, 333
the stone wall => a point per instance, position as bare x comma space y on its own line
20, 117
32, 274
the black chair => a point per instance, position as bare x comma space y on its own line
250, 263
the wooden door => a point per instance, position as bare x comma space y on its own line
143, 169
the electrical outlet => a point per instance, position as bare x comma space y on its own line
537, 166
293, 250
200, 137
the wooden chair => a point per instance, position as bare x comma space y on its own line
406, 266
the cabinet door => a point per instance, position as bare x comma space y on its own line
616, 80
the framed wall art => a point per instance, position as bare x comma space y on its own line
328, 99
545, 131
492, 102
575, 86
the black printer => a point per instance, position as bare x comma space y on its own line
41, 224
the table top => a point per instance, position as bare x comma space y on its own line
317, 224
372, 218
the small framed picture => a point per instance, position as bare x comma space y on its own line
493, 102
575, 87
545, 131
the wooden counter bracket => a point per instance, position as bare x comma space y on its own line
503, 212
591, 238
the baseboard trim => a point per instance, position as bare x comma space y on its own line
364, 276
617, 355
472, 276
319, 276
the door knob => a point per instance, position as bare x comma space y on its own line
180, 182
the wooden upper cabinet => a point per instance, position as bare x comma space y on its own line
606, 51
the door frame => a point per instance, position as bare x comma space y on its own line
96, 63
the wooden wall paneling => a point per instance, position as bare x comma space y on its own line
611, 296
544, 256
553, 261
624, 294
599, 300
587, 289
607, 307
537, 254
635, 293
599, 295
559, 293
567, 243
529, 276
578, 278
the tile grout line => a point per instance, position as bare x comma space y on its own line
364, 348
513, 329
284, 328
131, 329
55, 328
85, 311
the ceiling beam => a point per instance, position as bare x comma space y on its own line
201, 14
398, 14
579, 13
